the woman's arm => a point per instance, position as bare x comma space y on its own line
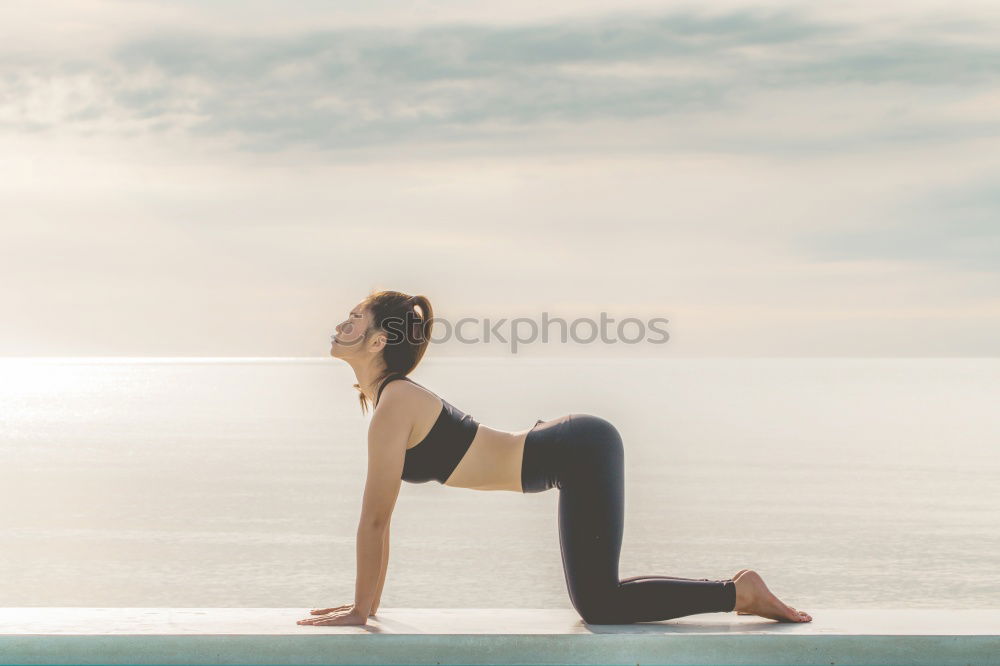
387, 437
369, 553
385, 564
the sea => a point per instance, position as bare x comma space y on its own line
237, 482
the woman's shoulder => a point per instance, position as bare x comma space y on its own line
405, 394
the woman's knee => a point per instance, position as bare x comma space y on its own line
601, 610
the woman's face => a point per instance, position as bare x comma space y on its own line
350, 334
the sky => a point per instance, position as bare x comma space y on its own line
231, 178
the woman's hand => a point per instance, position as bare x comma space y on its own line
324, 611
340, 616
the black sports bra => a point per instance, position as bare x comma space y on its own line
437, 455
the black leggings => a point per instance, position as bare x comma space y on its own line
583, 456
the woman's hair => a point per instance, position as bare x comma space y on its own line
407, 320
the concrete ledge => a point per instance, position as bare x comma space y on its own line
69, 635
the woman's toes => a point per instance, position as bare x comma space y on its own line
801, 616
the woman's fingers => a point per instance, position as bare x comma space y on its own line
336, 618
320, 619
333, 619
327, 613
324, 611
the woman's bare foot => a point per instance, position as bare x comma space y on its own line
734, 578
753, 598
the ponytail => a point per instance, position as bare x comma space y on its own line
407, 342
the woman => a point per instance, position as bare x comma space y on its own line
416, 436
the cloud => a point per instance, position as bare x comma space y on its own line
954, 228
362, 87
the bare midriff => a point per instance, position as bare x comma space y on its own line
493, 461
